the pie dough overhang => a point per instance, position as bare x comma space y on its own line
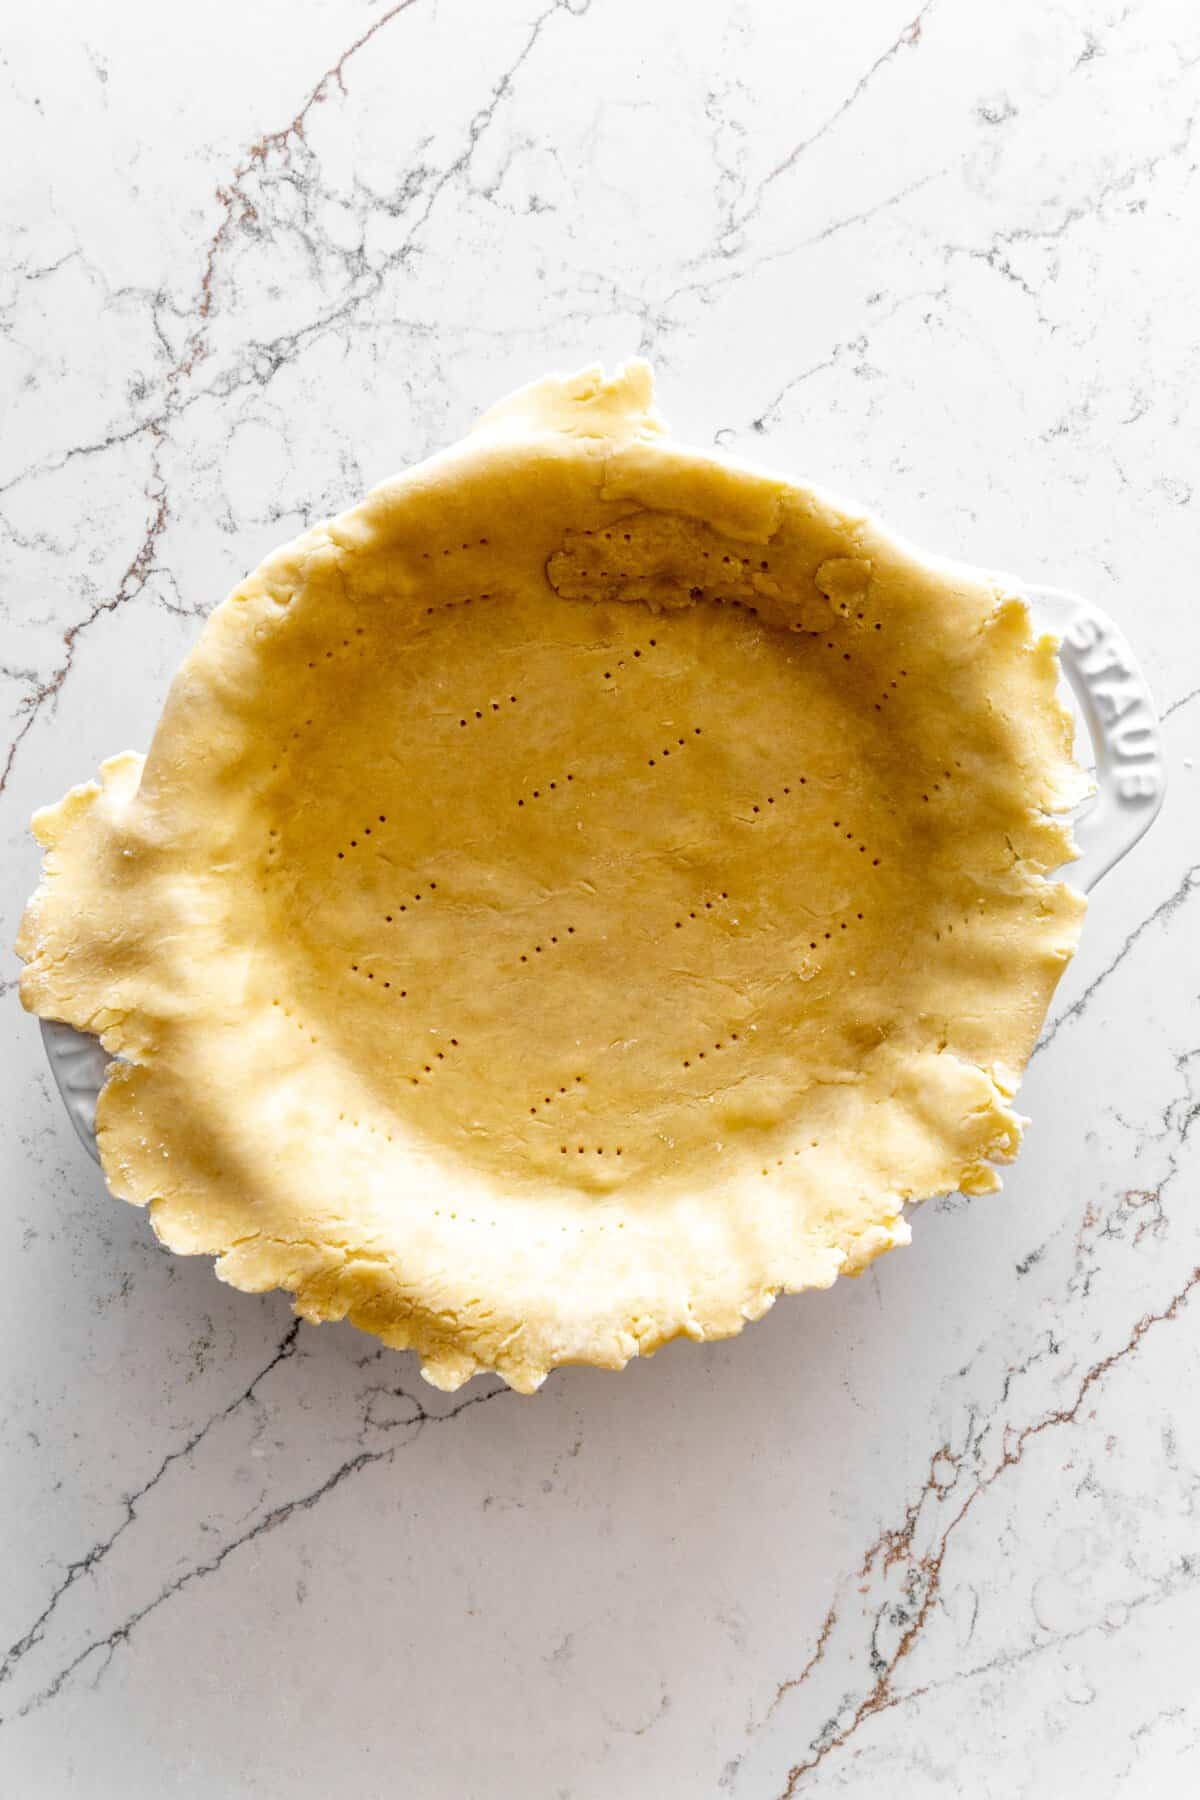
517, 1081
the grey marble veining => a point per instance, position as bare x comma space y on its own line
936, 1531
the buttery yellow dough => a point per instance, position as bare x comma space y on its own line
577, 894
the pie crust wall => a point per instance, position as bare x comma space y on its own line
579, 893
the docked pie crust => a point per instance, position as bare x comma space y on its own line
574, 896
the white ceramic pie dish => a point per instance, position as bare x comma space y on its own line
1130, 776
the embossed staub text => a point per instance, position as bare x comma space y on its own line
1124, 717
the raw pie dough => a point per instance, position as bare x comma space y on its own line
577, 894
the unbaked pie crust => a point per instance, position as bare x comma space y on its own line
579, 893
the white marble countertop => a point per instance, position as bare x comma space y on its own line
936, 1531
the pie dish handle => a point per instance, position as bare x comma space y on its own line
79, 1064
1124, 727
